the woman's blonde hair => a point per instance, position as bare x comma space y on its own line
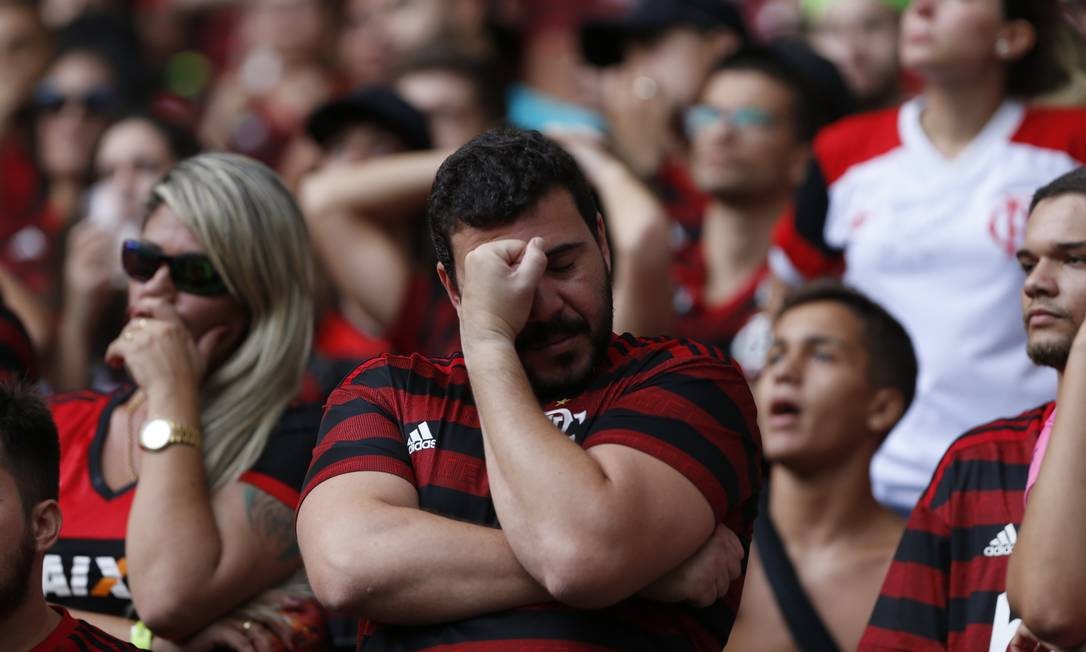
254, 234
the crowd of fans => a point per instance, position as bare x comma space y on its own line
865, 217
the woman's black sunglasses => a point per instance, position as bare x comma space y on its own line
192, 273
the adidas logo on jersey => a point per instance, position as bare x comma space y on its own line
420, 438
1003, 544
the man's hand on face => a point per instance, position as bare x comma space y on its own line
497, 288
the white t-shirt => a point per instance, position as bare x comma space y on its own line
934, 241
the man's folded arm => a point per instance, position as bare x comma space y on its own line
597, 526
370, 551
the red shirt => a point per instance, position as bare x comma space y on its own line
74, 635
87, 568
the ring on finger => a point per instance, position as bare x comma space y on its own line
247, 625
127, 336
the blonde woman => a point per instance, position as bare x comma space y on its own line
178, 491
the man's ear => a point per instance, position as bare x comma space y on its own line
601, 239
45, 521
450, 286
885, 409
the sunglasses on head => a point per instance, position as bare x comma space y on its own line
97, 101
192, 273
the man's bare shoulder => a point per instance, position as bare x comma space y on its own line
759, 626
842, 581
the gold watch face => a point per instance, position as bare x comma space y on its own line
155, 434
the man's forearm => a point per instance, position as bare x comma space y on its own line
401, 565
375, 187
550, 495
1046, 579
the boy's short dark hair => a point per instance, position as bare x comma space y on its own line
29, 445
1073, 182
891, 357
496, 177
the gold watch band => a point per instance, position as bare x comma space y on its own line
158, 434
182, 434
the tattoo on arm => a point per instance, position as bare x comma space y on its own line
272, 521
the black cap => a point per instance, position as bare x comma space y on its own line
371, 105
603, 41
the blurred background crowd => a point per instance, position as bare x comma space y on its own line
701, 124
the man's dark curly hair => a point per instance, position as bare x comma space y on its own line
496, 177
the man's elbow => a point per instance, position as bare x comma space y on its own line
1062, 626
169, 617
341, 584
580, 576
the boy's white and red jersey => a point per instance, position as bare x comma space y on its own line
934, 241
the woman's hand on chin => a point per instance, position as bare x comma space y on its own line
160, 352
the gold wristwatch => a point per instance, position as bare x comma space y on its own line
157, 434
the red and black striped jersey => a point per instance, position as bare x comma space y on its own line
721, 323
86, 568
75, 635
679, 401
946, 588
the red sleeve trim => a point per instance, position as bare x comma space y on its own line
1059, 129
274, 487
376, 463
852, 141
804, 257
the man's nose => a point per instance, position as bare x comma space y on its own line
1041, 280
547, 303
787, 368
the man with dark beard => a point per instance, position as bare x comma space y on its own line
29, 525
948, 587
556, 486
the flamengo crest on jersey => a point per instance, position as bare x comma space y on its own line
563, 418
